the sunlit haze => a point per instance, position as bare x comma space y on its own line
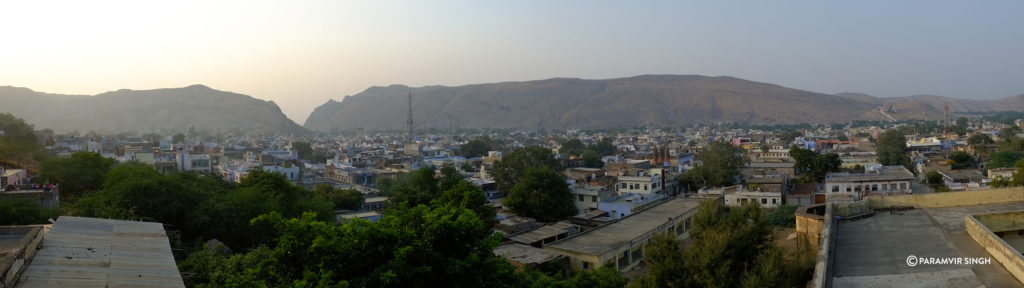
302, 53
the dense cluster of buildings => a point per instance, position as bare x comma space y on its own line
632, 196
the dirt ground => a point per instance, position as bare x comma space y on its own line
787, 239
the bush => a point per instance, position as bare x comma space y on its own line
783, 216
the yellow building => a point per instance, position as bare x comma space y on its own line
622, 244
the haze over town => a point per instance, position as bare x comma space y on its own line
300, 54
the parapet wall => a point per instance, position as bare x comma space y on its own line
1003, 253
851, 209
17, 257
810, 221
949, 199
823, 262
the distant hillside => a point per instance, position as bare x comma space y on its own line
162, 111
649, 100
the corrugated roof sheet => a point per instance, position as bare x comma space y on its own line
91, 252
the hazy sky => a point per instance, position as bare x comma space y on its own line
301, 53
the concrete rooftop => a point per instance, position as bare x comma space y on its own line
872, 252
603, 239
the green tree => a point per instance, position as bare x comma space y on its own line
466, 196
78, 174
342, 198
178, 138
603, 147
980, 142
591, 159
18, 144
409, 247
1018, 178
1001, 182
1005, 159
304, 150
477, 147
719, 166
512, 167
543, 195
936, 182
572, 147
23, 211
730, 248
417, 187
961, 160
891, 148
824, 164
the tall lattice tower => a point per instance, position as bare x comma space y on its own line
408, 121
945, 131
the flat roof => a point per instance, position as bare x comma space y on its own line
605, 238
525, 254
771, 164
544, 232
872, 252
887, 173
92, 252
359, 215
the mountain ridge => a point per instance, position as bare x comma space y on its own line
164, 110
644, 100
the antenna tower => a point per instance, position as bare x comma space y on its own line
408, 121
946, 130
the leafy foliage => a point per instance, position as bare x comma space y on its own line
572, 147
23, 211
890, 148
418, 187
603, 147
936, 182
478, 147
543, 195
303, 149
591, 159
961, 160
783, 216
342, 198
200, 206
511, 169
814, 165
1005, 159
719, 166
409, 247
18, 145
730, 248
78, 174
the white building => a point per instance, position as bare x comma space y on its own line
650, 182
627, 204
875, 181
292, 173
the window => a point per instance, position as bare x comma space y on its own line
885, 187
764, 200
586, 265
623, 185
581, 198
593, 198
847, 188
774, 201
874, 187
645, 187
903, 186
835, 188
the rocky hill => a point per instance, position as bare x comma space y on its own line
162, 111
649, 100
